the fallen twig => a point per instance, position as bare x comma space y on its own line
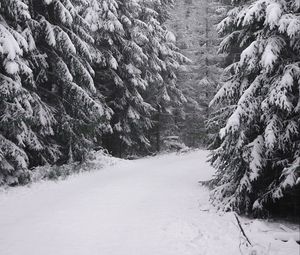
242, 230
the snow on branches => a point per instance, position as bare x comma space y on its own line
264, 91
71, 70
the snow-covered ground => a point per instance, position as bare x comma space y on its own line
151, 206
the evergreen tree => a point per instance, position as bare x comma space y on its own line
163, 63
79, 74
117, 30
258, 160
214, 74
26, 122
139, 64
211, 74
50, 107
65, 37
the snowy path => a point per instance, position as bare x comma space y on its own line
152, 206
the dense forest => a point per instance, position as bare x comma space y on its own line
79, 75
84, 75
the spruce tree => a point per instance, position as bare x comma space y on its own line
76, 75
51, 110
66, 39
214, 75
26, 122
211, 77
164, 60
139, 64
258, 160
116, 27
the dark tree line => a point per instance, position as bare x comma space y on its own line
77, 75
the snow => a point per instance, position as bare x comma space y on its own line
232, 124
113, 63
290, 24
270, 133
48, 1
131, 69
143, 207
11, 67
257, 161
271, 52
170, 37
273, 14
63, 14
132, 113
10, 48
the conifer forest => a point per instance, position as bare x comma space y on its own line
176, 119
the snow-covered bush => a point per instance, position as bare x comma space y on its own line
258, 161
95, 161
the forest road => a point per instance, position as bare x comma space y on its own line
150, 206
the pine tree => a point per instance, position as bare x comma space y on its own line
26, 122
50, 108
210, 74
65, 37
79, 74
214, 74
258, 161
115, 25
163, 63
139, 62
